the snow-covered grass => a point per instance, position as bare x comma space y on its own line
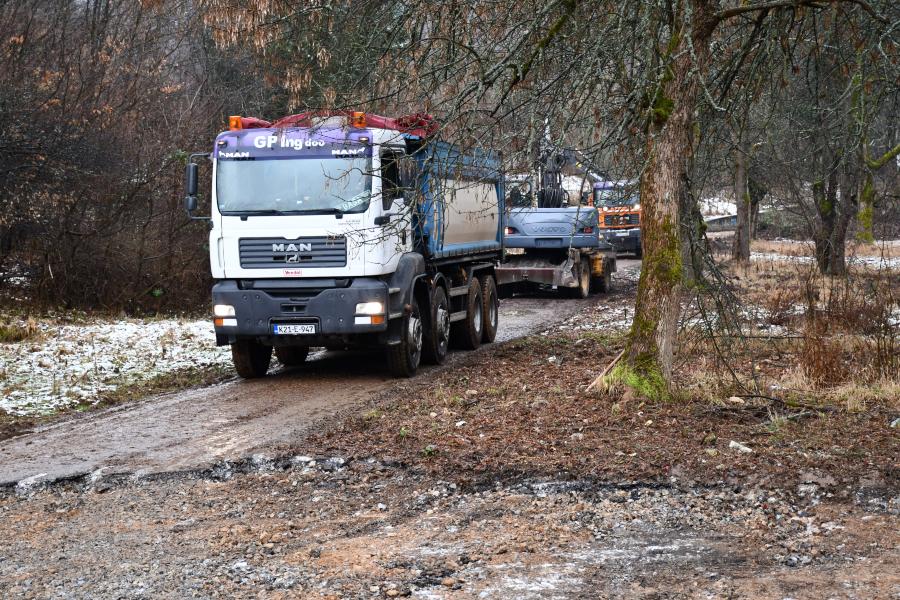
69, 365
875, 262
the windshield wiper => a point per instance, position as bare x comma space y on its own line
338, 213
254, 213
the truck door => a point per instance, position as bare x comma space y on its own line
395, 234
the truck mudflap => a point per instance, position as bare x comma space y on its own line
525, 268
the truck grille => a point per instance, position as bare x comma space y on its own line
626, 219
268, 253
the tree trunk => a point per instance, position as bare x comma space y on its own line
837, 202
757, 192
740, 250
648, 367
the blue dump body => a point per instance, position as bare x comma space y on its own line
461, 212
568, 227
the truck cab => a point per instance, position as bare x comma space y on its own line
619, 205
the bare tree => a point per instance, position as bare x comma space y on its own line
624, 82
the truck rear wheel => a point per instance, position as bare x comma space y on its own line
403, 358
438, 339
251, 359
291, 356
603, 282
584, 280
466, 334
490, 309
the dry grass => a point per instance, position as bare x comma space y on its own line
17, 332
881, 248
814, 339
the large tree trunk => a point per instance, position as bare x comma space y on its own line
740, 250
648, 366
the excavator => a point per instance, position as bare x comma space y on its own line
551, 241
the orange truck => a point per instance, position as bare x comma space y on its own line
619, 205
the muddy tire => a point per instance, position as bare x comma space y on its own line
583, 289
291, 356
466, 334
437, 342
603, 283
404, 358
251, 359
639, 252
490, 308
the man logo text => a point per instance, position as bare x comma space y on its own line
298, 247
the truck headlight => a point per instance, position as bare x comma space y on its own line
370, 308
223, 310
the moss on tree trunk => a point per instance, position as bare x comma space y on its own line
647, 369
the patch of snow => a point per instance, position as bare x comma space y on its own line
70, 365
717, 207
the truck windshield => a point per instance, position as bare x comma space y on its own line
294, 185
615, 197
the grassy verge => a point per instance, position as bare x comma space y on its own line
879, 248
808, 390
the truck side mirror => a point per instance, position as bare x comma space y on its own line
190, 187
190, 179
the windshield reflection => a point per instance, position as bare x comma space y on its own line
295, 185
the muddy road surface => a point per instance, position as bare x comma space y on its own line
194, 428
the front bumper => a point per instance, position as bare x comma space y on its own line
623, 240
328, 304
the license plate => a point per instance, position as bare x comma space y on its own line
622, 234
295, 329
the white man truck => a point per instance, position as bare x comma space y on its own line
350, 230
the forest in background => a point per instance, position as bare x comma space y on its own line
792, 105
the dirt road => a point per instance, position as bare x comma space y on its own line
194, 428
497, 478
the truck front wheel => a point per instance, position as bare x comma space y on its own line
403, 358
251, 359
291, 356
